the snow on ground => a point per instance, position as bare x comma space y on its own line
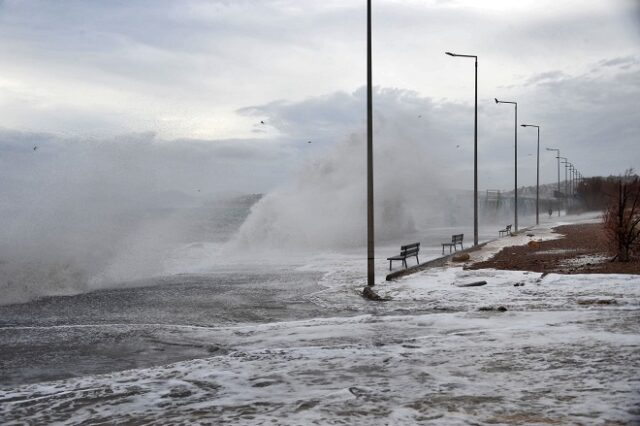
585, 260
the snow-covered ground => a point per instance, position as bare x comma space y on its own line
565, 351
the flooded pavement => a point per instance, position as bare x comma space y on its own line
110, 330
554, 356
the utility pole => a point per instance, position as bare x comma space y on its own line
370, 236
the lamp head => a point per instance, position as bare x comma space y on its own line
524, 125
449, 53
496, 99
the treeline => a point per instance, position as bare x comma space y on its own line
596, 193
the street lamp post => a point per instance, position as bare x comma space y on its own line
537, 173
580, 179
515, 189
558, 157
571, 179
370, 235
566, 163
571, 173
475, 149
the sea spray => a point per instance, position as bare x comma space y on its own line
324, 206
83, 214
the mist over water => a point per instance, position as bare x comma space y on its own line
324, 207
82, 214
85, 214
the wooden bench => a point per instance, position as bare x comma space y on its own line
505, 231
455, 240
409, 250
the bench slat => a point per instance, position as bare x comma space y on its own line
409, 253
398, 257
408, 246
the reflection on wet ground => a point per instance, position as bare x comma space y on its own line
117, 329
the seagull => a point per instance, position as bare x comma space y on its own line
35, 147
419, 116
261, 122
308, 141
457, 146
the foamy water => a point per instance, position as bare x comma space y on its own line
557, 355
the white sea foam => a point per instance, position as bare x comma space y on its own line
547, 359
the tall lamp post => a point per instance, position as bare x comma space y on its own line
558, 157
580, 179
515, 189
370, 235
571, 179
566, 163
537, 173
475, 150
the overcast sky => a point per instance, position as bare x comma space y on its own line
197, 77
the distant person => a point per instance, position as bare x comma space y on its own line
550, 211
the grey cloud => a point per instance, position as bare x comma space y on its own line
586, 115
595, 119
622, 62
546, 77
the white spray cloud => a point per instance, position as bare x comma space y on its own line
325, 205
81, 214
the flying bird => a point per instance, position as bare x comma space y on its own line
457, 146
308, 141
35, 147
261, 122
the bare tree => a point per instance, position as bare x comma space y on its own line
622, 218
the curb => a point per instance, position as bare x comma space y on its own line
441, 261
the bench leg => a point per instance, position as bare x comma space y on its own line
417, 260
390, 264
443, 249
404, 261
